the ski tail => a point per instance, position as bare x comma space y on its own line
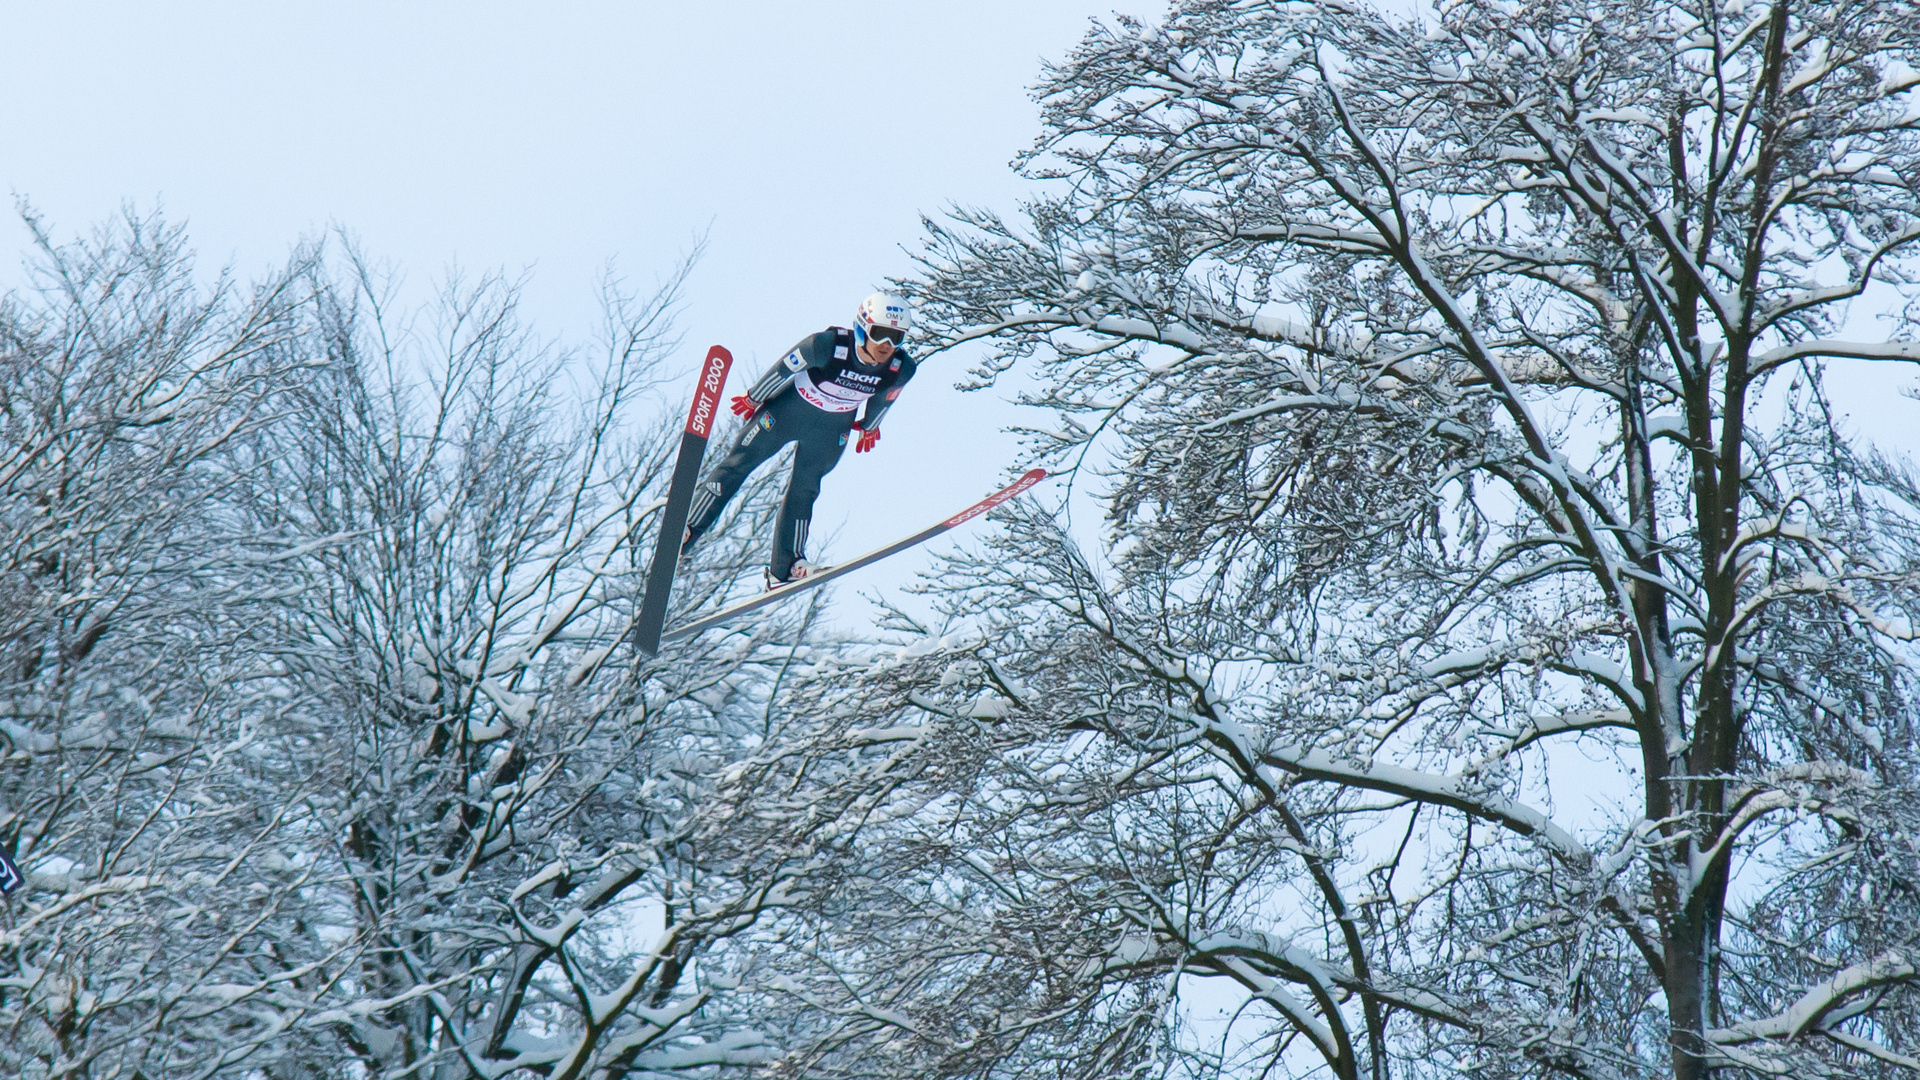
774, 596
673, 516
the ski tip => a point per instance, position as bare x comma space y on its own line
1027, 480
706, 395
1032, 477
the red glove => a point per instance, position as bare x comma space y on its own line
867, 439
745, 406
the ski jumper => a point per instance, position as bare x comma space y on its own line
811, 398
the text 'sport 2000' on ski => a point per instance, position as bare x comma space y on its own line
673, 516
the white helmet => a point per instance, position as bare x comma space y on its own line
883, 310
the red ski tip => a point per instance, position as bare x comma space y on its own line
706, 396
1032, 477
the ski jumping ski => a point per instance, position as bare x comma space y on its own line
673, 516
781, 592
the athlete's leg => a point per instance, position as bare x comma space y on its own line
762, 438
817, 452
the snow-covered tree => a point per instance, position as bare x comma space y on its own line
322, 752
124, 387
1497, 659
516, 807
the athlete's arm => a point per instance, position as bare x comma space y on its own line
777, 378
878, 404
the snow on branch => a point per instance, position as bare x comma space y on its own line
1818, 1002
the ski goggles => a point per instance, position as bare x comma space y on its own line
891, 334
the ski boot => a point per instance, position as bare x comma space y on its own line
799, 570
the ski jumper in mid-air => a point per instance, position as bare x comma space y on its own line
830, 385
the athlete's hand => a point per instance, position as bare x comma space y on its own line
745, 406
867, 439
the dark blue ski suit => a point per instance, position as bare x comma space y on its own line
815, 396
